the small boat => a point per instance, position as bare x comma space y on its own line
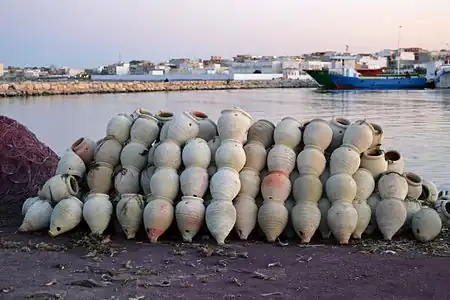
322, 77
442, 78
350, 79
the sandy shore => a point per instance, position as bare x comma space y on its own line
30, 88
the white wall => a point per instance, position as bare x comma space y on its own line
374, 62
256, 76
123, 70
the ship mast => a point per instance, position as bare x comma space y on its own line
398, 50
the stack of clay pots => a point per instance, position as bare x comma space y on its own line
190, 211
164, 183
259, 139
276, 185
225, 184
311, 163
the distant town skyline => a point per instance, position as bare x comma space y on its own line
90, 33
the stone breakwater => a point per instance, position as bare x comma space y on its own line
30, 88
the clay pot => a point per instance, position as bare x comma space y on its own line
395, 161
99, 178
97, 211
341, 187
250, 183
288, 132
164, 117
59, 187
276, 186
305, 219
262, 132
85, 149
246, 215
307, 188
373, 201
338, 125
213, 145
272, 219
426, 224
220, 219
28, 203
194, 182
393, 185
311, 161
364, 216
158, 216
225, 184
108, 151
342, 219
119, 128
429, 192
127, 181
289, 231
129, 212
167, 155
281, 158
233, 124
443, 208
412, 206
365, 184
145, 178
66, 215
140, 112
256, 156
196, 152
344, 160
71, 164
324, 205
207, 127
378, 136
323, 179
151, 153
414, 186
145, 130
190, 215
134, 154
165, 183
37, 216
374, 161
230, 154
391, 215
358, 135
317, 133
183, 127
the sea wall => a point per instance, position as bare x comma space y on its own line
30, 88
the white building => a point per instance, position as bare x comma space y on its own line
123, 69
373, 62
314, 65
291, 73
74, 71
252, 67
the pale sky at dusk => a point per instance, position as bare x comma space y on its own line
88, 33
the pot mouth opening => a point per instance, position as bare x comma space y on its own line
377, 128
425, 193
165, 114
343, 121
374, 152
200, 115
143, 111
447, 207
73, 185
392, 155
77, 143
413, 177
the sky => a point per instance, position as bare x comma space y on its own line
89, 33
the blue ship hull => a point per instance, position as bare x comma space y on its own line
378, 83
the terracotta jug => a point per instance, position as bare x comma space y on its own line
272, 219
344, 160
374, 161
317, 133
342, 219
305, 219
414, 185
233, 124
395, 161
288, 132
391, 215
393, 185
230, 154
220, 219
256, 156
359, 135
119, 128
281, 158
262, 132
183, 127
157, 215
246, 215
311, 161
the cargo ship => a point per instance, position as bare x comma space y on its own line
322, 76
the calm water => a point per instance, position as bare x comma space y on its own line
417, 123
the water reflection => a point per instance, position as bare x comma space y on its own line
416, 122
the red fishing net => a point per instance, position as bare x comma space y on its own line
25, 164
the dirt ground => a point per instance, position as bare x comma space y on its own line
79, 266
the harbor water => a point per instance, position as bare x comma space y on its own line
417, 123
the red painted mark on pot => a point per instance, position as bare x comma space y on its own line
154, 233
164, 208
276, 179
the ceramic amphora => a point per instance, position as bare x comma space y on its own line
374, 161
66, 215
167, 155
317, 132
281, 158
261, 131
59, 187
196, 152
134, 154
230, 154
37, 216
85, 149
145, 130
338, 126
207, 127
158, 215
97, 212
165, 183
288, 132
129, 212
119, 127
276, 186
359, 135
393, 185
306, 219
233, 124
190, 216
256, 156
272, 219
183, 127
429, 192
443, 208
311, 161
71, 164
127, 181
365, 184
246, 215
225, 184
108, 151
342, 219
250, 183
220, 219
395, 160
426, 224
414, 185
145, 178
99, 178
194, 182
372, 201
344, 160
341, 187
391, 215
307, 188
324, 205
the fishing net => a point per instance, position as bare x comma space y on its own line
25, 164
